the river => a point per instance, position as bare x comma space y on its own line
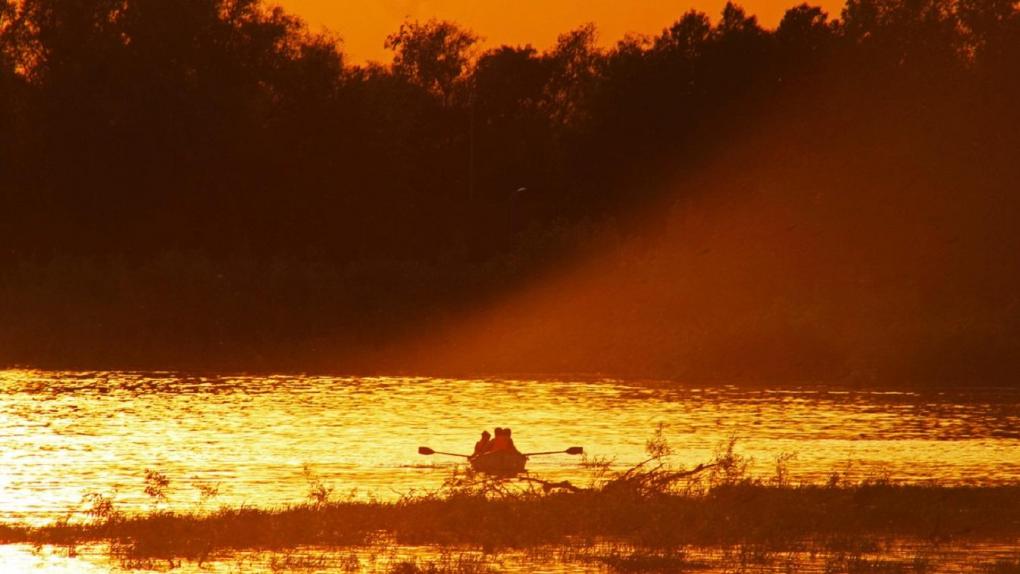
265, 440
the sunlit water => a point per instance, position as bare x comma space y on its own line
890, 557
65, 435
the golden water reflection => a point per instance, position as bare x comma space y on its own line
888, 556
64, 435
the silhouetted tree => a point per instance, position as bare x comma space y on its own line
736, 24
193, 164
512, 127
908, 31
990, 25
433, 55
574, 66
510, 81
687, 36
804, 28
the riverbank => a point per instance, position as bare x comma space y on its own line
762, 515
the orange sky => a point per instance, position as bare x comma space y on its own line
364, 24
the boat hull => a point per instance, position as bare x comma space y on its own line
499, 463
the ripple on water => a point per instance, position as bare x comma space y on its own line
63, 435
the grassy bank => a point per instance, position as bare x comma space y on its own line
748, 513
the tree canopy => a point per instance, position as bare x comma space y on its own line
196, 147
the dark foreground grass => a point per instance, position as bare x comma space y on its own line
747, 513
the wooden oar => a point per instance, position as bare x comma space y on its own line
571, 450
426, 450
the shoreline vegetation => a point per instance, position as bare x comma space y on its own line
212, 185
640, 519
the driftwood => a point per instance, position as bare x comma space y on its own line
655, 479
548, 486
652, 480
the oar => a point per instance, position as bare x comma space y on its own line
571, 450
427, 450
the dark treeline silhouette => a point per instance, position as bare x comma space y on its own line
205, 183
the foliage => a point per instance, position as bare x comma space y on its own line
318, 492
433, 55
100, 507
207, 181
156, 486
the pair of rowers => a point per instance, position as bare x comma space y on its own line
501, 442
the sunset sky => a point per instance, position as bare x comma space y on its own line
364, 24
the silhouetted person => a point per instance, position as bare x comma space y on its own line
502, 442
510, 442
483, 443
497, 443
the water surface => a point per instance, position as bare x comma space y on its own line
64, 435
888, 556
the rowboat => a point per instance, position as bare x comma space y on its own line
501, 463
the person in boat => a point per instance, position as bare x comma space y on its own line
482, 446
497, 441
510, 442
502, 442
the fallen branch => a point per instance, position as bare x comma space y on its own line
548, 486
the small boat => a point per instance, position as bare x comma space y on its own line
503, 463
499, 463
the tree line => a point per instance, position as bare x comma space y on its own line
212, 171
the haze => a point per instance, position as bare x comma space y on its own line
809, 262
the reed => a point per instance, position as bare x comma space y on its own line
743, 513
